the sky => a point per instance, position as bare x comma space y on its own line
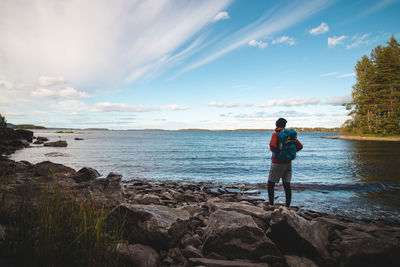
160, 64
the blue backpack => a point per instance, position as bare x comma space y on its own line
287, 144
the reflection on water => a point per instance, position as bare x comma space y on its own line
377, 162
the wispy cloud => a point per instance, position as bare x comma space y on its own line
321, 29
86, 42
284, 39
223, 105
358, 40
259, 44
220, 16
119, 107
334, 41
338, 101
330, 74
373, 9
272, 22
347, 75
69, 92
291, 102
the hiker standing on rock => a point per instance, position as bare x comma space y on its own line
284, 145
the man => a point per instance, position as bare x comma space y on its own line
280, 168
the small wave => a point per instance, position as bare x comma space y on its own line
358, 187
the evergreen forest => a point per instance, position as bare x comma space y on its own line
375, 105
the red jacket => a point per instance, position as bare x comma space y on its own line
274, 146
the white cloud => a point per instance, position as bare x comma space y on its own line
69, 92
334, 41
221, 15
15, 114
71, 107
175, 107
330, 74
337, 101
223, 105
118, 107
357, 41
321, 29
248, 105
291, 102
259, 44
347, 75
105, 41
50, 81
284, 39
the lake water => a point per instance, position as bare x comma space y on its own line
357, 178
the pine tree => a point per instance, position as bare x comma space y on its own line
375, 106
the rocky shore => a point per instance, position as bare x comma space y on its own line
201, 224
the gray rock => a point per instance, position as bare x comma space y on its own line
26, 134
138, 255
362, 249
292, 233
56, 154
105, 191
261, 217
53, 170
192, 252
147, 199
86, 174
43, 139
236, 235
60, 143
155, 225
223, 263
38, 142
296, 261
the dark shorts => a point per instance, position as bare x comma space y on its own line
279, 171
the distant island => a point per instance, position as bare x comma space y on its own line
26, 126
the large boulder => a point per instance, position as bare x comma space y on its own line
235, 235
60, 143
26, 134
154, 225
53, 170
86, 174
261, 217
10, 141
292, 233
369, 249
104, 191
138, 255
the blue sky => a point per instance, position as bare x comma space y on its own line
185, 64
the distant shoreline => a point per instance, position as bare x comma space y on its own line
363, 138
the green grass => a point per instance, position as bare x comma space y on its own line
58, 230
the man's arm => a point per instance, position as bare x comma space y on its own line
299, 145
273, 144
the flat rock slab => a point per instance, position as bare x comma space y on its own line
235, 235
154, 225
